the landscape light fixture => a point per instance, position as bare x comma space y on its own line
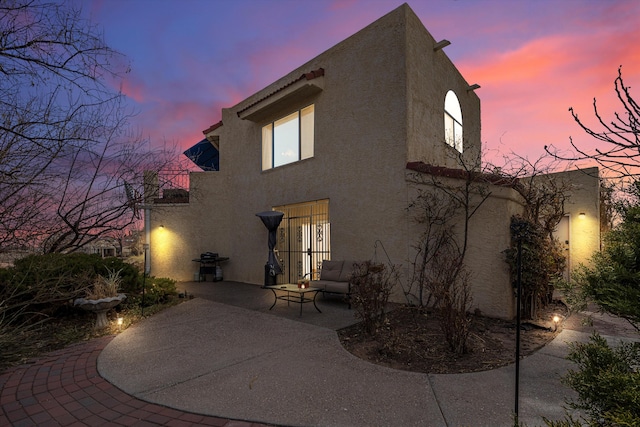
441, 45
120, 321
473, 87
556, 320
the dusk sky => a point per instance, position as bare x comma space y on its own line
532, 59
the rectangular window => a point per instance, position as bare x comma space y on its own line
288, 139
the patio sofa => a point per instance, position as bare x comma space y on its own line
334, 278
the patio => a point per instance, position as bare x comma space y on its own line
335, 311
224, 354
229, 363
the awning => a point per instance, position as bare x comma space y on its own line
205, 155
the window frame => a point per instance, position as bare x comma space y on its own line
452, 123
305, 138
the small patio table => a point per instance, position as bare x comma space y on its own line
290, 289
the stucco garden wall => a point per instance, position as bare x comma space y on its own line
488, 235
181, 232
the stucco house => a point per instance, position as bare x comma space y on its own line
337, 145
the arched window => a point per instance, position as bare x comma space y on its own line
453, 121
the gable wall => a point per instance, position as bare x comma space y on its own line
358, 164
430, 75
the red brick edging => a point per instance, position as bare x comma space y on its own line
63, 388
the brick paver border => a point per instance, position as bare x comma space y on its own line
63, 388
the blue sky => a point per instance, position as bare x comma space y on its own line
532, 59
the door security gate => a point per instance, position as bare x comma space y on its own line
304, 239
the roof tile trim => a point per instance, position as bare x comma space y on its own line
463, 174
306, 76
212, 127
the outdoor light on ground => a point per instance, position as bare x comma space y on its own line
119, 322
556, 320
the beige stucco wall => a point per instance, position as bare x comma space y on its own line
430, 75
359, 152
584, 231
491, 208
359, 160
379, 105
190, 229
489, 236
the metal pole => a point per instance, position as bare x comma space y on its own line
147, 239
518, 303
151, 191
146, 246
144, 277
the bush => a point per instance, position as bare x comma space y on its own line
157, 290
612, 280
454, 301
607, 381
46, 283
542, 263
371, 286
129, 274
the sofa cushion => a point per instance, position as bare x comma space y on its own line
337, 287
320, 284
347, 269
331, 270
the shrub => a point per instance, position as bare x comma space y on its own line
567, 422
542, 263
46, 283
105, 286
157, 290
371, 286
454, 304
129, 274
612, 280
607, 381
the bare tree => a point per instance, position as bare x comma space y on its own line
66, 149
446, 200
620, 157
544, 194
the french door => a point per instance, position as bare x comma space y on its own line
304, 239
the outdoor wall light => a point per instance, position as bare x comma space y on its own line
582, 215
473, 87
441, 45
556, 320
161, 225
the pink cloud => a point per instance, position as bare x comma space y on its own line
526, 92
134, 89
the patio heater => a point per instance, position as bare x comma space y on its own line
271, 220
